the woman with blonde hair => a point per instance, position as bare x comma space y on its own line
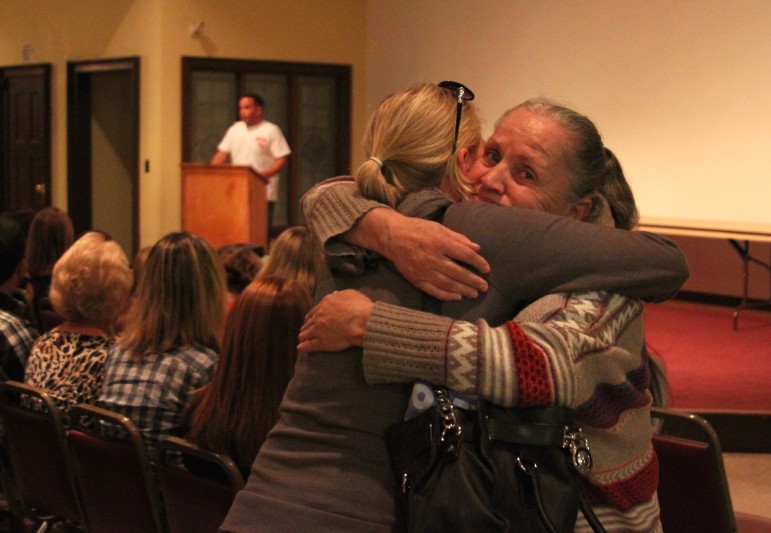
172, 333
408, 143
234, 412
89, 289
296, 254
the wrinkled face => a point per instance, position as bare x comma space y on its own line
525, 164
249, 111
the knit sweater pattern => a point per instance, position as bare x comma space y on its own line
575, 350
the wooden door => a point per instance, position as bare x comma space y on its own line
25, 179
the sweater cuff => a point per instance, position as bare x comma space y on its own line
401, 345
332, 209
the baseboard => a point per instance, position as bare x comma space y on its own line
722, 300
740, 432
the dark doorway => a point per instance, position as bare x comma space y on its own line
25, 139
103, 148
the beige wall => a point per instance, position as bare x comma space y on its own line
329, 31
680, 90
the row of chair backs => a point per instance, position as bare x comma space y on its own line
103, 479
693, 489
113, 472
98, 474
41, 463
199, 492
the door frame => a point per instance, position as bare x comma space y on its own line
79, 171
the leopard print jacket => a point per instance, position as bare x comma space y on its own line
69, 366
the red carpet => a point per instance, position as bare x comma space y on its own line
710, 365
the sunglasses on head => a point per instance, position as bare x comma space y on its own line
461, 92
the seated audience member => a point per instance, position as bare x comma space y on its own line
233, 413
23, 293
242, 264
89, 289
172, 333
296, 254
24, 217
50, 234
16, 333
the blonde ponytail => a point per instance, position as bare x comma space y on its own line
411, 134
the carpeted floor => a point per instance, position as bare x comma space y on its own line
710, 365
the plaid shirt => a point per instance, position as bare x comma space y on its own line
16, 338
154, 392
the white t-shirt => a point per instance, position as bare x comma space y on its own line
257, 146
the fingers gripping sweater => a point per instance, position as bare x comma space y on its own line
577, 350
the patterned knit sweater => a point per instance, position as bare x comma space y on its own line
576, 350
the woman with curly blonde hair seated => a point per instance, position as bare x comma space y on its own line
89, 288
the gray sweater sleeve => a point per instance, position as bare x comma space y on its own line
332, 208
533, 253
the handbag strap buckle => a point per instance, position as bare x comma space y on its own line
577, 445
452, 431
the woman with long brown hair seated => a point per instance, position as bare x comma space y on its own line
234, 412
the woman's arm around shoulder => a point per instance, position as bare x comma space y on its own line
532, 253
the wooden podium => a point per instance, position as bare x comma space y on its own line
226, 204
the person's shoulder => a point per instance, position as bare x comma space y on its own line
267, 124
47, 338
6, 317
238, 126
195, 355
427, 203
338, 179
10, 321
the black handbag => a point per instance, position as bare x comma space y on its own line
492, 469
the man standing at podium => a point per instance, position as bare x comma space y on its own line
255, 142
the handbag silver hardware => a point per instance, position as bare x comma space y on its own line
450, 426
576, 443
451, 429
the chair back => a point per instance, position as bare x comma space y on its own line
198, 486
693, 488
40, 462
120, 494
